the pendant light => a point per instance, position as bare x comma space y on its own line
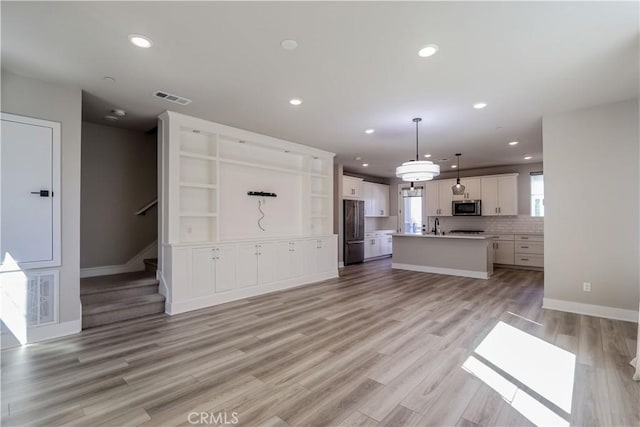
458, 189
418, 170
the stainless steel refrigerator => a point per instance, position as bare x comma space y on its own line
353, 231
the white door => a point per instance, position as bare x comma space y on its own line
432, 199
30, 179
247, 266
202, 283
225, 268
504, 253
296, 267
283, 260
508, 195
472, 188
313, 262
489, 196
266, 263
326, 258
445, 196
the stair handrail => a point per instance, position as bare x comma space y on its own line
146, 207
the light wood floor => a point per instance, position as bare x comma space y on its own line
376, 347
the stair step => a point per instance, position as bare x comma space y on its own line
101, 284
151, 264
125, 309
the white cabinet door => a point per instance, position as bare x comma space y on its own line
472, 188
368, 248
289, 259
225, 268
381, 204
445, 196
503, 252
327, 255
489, 196
319, 255
30, 176
266, 263
386, 245
508, 195
432, 198
247, 268
202, 280
351, 187
368, 194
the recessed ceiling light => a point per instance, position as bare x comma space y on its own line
528, 157
118, 112
369, 131
140, 41
358, 158
454, 166
295, 101
111, 118
365, 164
428, 50
479, 105
289, 44
427, 155
108, 79
514, 143
444, 159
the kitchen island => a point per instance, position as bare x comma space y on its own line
451, 254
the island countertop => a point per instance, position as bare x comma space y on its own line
447, 236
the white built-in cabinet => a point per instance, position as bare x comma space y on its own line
376, 199
500, 195
526, 250
472, 189
439, 197
352, 187
220, 241
377, 244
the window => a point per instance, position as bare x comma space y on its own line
412, 210
537, 194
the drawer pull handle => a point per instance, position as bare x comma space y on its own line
524, 259
524, 238
525, 247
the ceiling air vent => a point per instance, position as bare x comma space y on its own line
170, 97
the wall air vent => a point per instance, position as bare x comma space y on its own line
172, 98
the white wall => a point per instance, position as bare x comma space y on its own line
591, 207
34, 98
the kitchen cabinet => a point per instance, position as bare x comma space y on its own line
499, 195
213, 270
320, 255
503, 249
351, 187
529, 250
438, 197
255, 264
386, 244
377, 244
376, 199
289, 259
472, 189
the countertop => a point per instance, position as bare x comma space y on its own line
447, 236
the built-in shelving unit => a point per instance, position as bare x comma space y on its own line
226, 192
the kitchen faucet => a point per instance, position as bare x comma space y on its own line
436, 224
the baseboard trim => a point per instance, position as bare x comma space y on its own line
134, 264
177, 307
50, 332
341, 264
590, 309
440, 270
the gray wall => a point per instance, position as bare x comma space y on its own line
35, 98
119, 176
591, 205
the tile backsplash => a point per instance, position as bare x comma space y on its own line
382, 223
492, 224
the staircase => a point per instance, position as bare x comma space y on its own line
117, 297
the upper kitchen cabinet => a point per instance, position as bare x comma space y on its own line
351, 187
500, 195
376, 199
439, 197
472, 189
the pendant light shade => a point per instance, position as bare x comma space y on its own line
418, 170
458, 189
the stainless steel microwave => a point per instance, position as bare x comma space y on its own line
467, 208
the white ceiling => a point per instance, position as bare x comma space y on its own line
356, 67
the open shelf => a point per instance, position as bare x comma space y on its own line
197, 156
197, 171
195, 142
197, 185
197, 229
194, 214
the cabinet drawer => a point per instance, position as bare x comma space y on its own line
529, 248
509, 237
530, 237
530, 260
